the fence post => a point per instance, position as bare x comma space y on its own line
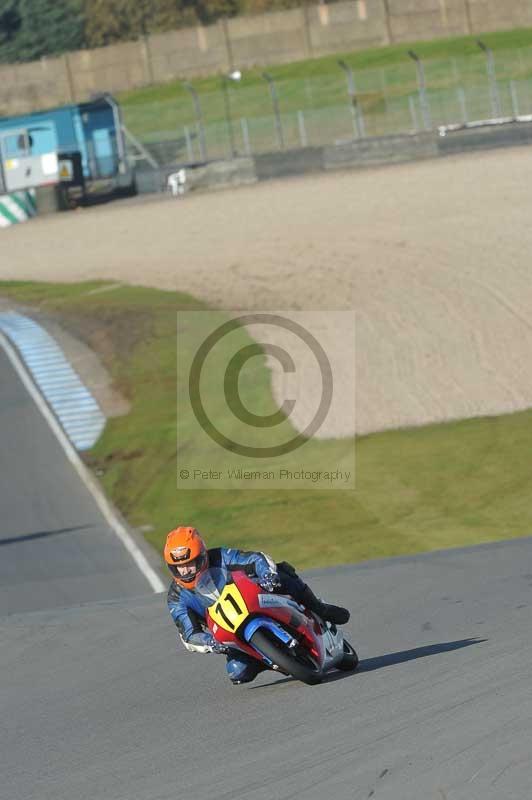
462, 102
188, 140
236, 75
275, 102
199, 119
302, 128
358, 117
492, 78
515, 98
245, 135
422, 88
412, 107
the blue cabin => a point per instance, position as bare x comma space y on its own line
92, 129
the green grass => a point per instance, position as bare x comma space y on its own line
417, 490
385, 78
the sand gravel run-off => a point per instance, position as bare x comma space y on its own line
435, 257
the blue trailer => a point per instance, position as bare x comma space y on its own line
93, 130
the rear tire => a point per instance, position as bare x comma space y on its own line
349, 662
296, 664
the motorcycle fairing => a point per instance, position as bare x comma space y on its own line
263, 622
233, 604
277, 601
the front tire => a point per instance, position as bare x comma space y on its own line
298, 664
349, 661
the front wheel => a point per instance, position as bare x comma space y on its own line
298, 662
349, 660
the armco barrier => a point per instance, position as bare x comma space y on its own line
509, 135
289, 162
16, 207
215, 175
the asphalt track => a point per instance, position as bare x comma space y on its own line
56, 548
97, 703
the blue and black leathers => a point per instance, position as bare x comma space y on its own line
189, 614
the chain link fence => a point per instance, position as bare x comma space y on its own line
263, 114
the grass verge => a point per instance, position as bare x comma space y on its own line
422, 489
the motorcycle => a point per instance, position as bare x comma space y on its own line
271, 627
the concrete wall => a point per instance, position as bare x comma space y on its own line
280, 37
342, 27
358, 154
274, 38
38, 84
410, 20
380, 150
113, 68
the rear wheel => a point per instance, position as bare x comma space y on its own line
297, 662
349, 660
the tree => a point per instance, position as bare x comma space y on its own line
208, 11
10, 23
30, 29
109, 21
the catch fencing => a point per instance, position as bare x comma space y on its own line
250, 117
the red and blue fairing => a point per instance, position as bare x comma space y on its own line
236, 607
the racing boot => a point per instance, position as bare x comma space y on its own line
335, 614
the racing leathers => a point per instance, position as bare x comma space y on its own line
189, 614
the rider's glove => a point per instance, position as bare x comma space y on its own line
270, 581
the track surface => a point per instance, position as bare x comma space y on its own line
55, 547
97, 704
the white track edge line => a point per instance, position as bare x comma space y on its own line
101, 500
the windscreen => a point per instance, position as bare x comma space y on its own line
211, 584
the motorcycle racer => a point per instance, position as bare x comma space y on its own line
187, 557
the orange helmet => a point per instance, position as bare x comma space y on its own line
186, 556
